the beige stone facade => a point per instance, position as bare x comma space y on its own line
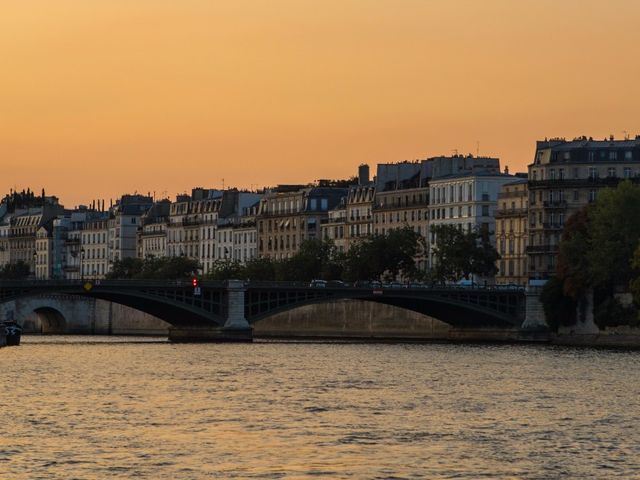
512, 234
290, 215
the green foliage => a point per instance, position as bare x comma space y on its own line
559, 309
611, 313
573, 260
597, 254
15, 271
226, 270
384, 256
154, 268
260, 269
615, 232
635, 283
458, 254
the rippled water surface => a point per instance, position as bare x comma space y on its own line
94, 408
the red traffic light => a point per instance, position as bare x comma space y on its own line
194, 282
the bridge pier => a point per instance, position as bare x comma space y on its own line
235, 329
534, 318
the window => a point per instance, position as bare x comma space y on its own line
485, 210
592, 195
611, 172
628, 155
613, 155
576, 195
627, 172
593, 172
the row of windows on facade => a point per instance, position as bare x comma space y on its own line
283, 242
289, 224
503, 223
514, 245
397, 201
446, 194
593, 155
553, 219
592, 172
291, 206
508, 267
559, 196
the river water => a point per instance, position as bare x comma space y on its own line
105, 407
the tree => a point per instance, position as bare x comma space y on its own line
126, 268
225, 270
615, 233
260, 269
158, 268
384, 256
458, 254
15, 271
559, 309
573, 260
635, 283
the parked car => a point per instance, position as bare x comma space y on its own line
318, 283
336, 283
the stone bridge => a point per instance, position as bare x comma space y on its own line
225, 311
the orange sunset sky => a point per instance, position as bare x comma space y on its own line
104, 97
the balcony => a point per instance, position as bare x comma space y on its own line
581, 182
552, 226
542, 249
554, 204
511, 212
190, 222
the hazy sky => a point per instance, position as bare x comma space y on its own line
102, 97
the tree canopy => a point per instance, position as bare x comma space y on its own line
599, 253
458, 254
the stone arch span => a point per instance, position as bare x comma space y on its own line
51, 320
454, 312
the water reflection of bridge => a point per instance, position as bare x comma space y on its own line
227, 310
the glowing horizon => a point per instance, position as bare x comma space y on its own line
103, 98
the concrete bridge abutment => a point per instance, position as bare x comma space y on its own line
235, 329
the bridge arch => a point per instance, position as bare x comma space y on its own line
52, 321
498, 312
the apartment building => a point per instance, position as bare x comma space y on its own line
563, 178
290, 214
511, 233
43, 256
95, 246
152, 233
468, 201
124, 220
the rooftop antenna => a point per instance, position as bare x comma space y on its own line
477, 148
626, 135
223, 184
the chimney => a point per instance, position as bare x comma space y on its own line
363, 174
